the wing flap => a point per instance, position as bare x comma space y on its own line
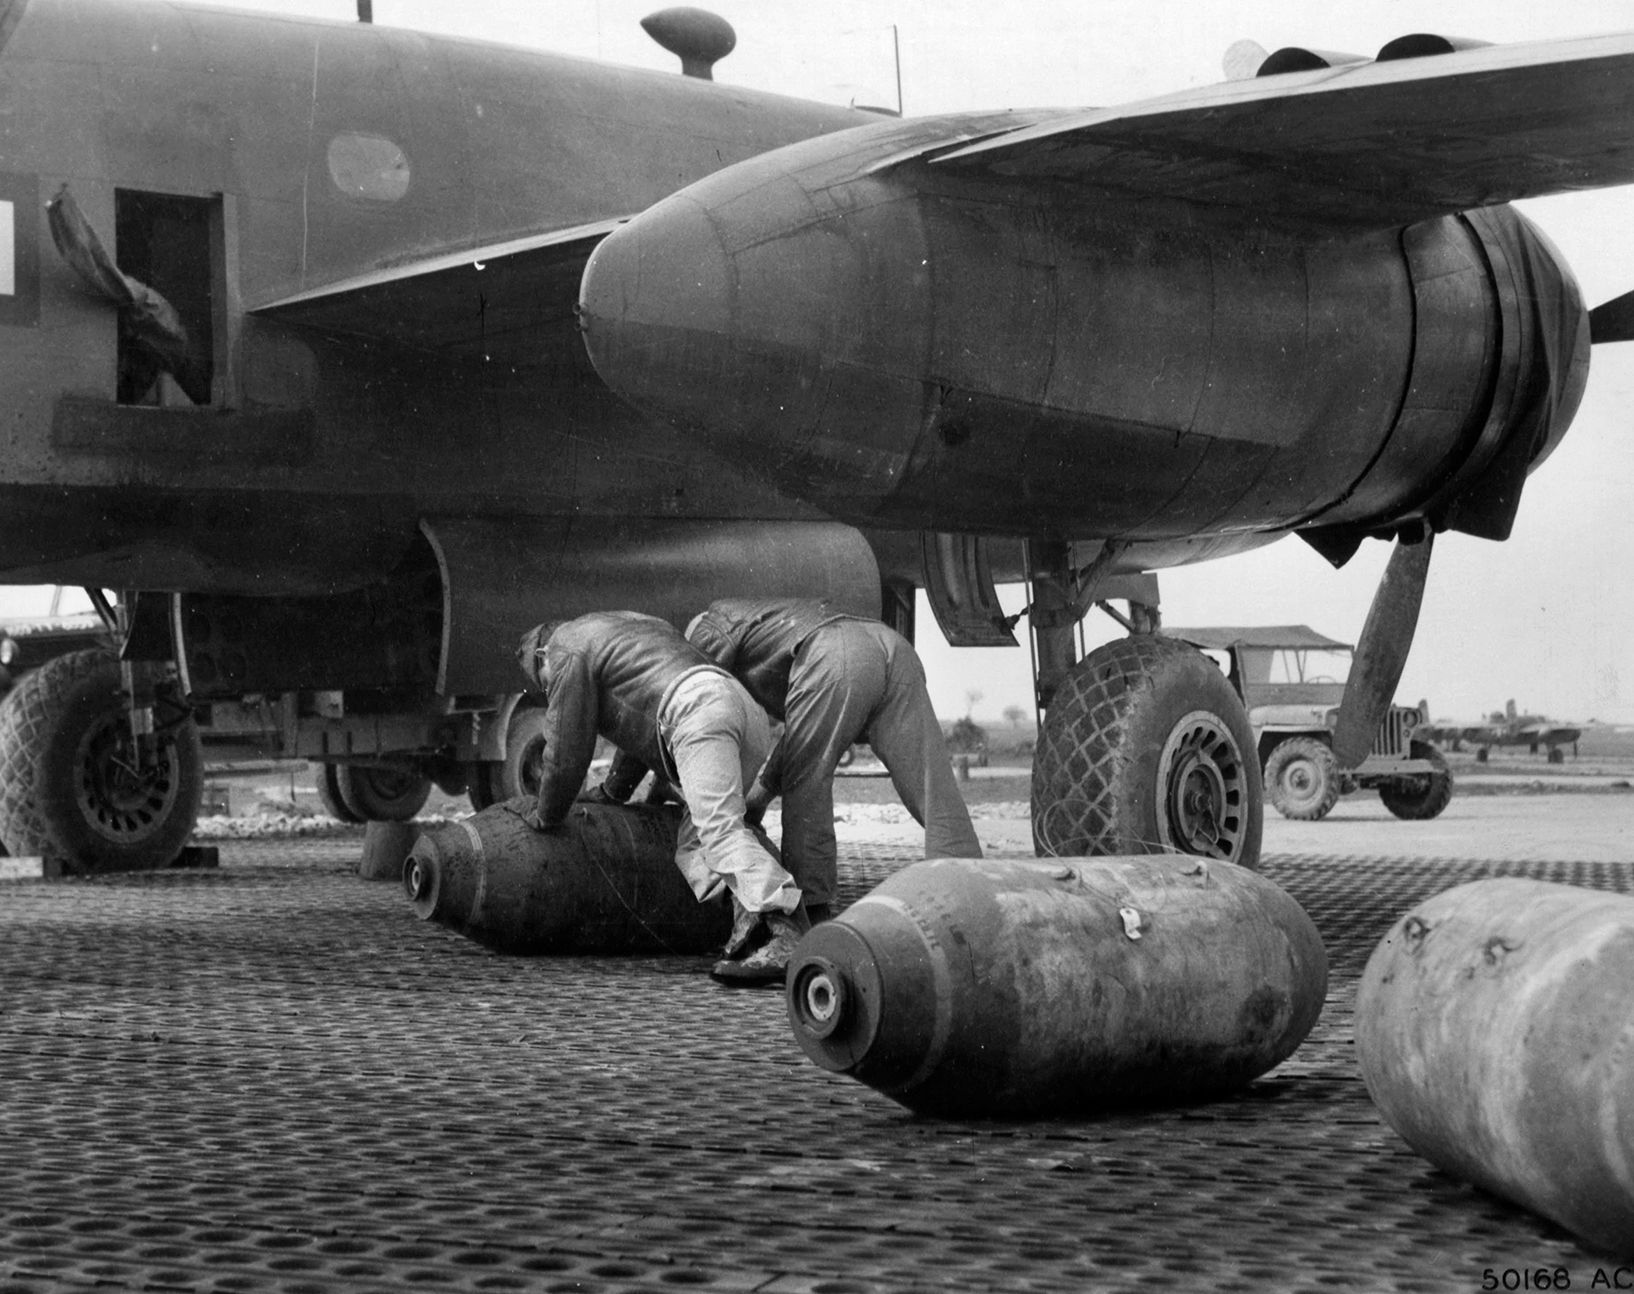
489, 302
1372, 143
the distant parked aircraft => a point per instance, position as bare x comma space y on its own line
1507, 728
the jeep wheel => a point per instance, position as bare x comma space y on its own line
1419, 796
1146, 748
1300, 779
72, 787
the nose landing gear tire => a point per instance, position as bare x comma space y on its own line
72, 786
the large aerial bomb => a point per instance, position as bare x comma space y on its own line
970, 988
605, 881
1495, 1032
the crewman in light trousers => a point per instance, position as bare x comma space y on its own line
636, 681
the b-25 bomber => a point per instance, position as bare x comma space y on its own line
1508, 727
344, 353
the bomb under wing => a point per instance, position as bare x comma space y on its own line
605, 881
966, 988
1495, 1032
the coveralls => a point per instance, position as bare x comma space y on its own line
834, 679
636, 681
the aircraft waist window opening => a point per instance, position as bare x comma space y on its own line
165, 241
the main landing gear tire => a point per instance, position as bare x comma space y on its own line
71, 787
519, 773
1301, 780
1146, 748
1419, 796
379, 794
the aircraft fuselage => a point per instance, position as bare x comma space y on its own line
234, 159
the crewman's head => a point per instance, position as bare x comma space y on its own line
530, 654
708, 635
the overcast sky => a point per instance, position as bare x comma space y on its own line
1546, 618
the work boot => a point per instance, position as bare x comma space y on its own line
770, 962
747, 930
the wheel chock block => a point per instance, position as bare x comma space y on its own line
29, 868
386, 847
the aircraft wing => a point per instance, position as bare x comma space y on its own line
480, 302
1550, 734
1380, 144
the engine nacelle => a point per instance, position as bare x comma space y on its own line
905, 347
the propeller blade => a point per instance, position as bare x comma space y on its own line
1381, 653
1613, 320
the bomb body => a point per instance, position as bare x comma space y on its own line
604, 881
1495, 1032
1009, 988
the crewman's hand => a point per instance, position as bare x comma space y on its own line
597, 794
534, 819
663, 791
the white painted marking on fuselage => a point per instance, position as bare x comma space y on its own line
8, 250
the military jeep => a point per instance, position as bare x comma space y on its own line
27, 643
1292, 680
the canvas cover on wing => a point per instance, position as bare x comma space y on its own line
1376, 144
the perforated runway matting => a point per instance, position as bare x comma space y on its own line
272, 1077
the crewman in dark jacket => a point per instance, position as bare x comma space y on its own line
636, 681
835, 679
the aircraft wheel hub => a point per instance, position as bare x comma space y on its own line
121, 796
1202, 779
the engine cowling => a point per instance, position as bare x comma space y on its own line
911, 349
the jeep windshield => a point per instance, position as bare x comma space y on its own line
1295, 665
